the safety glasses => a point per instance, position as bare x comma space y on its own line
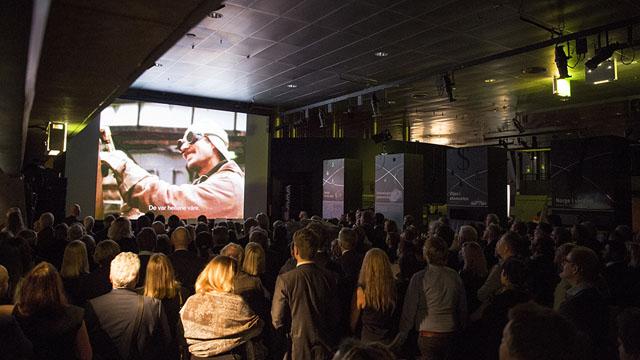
190, 138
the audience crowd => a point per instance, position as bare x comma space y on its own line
360, 287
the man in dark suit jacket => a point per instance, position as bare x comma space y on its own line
187, 264
585, 307
111, 318
147, 241
350, 261
304, 303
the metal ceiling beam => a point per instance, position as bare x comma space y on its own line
196, 101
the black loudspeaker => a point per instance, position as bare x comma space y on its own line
56, 138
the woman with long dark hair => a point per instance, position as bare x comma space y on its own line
55, 328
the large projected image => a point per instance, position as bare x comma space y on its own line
170, 159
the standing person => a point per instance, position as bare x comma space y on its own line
585, 307
123, 324
186, 263
473, 273
495, 312
74, 215
304, 303
375, 306
435, 304
535, 332
218, 189
55, 328
97, 282
74, 270
120, 232
160, 283
506, 247
219, 324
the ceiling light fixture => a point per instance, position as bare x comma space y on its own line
292, 86
561, 87
605, 72
561, 62
215, 15
489, 81
601, 55
381, 53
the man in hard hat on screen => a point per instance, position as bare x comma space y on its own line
217, 191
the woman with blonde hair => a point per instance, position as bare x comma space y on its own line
254, 259
375, 299
248, 282
216, 321
120, 232
74, 269
160, 283
55, 328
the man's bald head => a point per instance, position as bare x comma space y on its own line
180, 238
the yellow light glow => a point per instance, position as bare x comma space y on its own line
600, 82
561, 87
54, 152
439, 140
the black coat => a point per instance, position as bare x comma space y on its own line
588, 311
306, 308
110, 319
187, 266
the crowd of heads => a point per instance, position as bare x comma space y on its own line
533, 258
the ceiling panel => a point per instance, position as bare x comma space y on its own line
248, 22
327, 48
311, 10
307, 35
279, 29
353, 12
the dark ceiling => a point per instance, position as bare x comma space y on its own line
294, 54
93, 50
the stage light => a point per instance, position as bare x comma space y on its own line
56, 138
383, 136
561, 87
605, 72
601, 55
561, 62
448, 87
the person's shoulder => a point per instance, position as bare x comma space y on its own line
418, 277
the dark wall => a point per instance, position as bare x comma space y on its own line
299, 162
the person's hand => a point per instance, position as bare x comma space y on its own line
116, 160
